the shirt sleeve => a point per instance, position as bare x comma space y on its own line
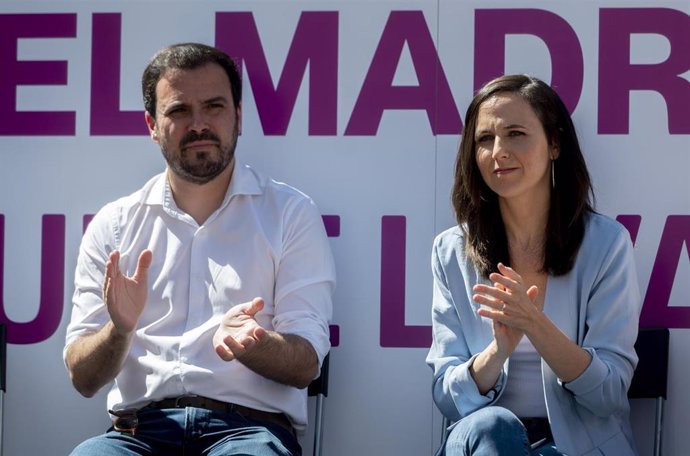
454, 390
611, 327
88, 310
305, 278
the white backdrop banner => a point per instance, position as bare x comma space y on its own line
359, 104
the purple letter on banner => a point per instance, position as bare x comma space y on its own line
106, 117
49, 313
14, 73
631, 223
618, 77
394, 331
315, 43
656, 311
378, 94
567, 64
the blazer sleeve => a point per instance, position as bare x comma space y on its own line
610, 327
455, 331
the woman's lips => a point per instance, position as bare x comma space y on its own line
502, 171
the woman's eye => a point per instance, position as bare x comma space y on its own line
483, 138
517, 133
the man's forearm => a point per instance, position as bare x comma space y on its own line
284, 358
94, 360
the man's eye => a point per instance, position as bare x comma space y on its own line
176, 112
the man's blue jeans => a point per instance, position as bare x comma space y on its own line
194, 432
494, 431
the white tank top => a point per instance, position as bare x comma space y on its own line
524, 391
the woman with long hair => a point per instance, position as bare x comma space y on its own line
535, 301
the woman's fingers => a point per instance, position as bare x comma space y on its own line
494, 292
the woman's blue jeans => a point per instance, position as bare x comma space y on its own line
493, 431
194, 432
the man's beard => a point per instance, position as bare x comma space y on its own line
200, 167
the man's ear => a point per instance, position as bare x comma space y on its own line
151, 123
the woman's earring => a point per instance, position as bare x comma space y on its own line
553, 176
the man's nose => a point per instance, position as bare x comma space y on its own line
199, 121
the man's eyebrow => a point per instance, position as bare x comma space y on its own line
216, 99
174, 104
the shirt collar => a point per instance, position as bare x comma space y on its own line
245, 181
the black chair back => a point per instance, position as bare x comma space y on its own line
651, 375
3, 357
320, 385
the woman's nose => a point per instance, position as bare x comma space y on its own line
500, 149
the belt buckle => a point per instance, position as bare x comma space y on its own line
184, 401
177, 403
126, 421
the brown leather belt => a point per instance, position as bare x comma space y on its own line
224, 407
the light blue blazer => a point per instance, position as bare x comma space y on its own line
597, 305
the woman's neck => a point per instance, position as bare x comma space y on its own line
525, 226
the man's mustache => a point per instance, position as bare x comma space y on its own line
194, 136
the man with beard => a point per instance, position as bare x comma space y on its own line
206, 295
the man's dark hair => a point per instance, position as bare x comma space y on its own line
476, 206
186, 56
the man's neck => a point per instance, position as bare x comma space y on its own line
200, 201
